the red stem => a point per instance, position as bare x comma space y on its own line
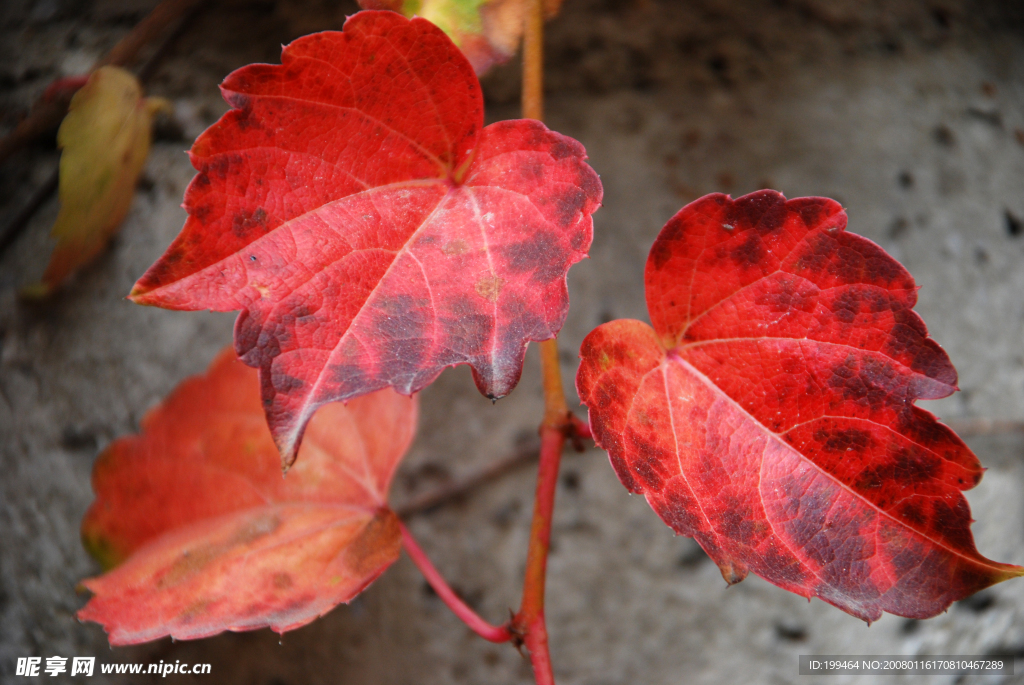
529, 622
448, 596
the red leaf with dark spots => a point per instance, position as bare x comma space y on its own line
205, 535
769, 413
369, 228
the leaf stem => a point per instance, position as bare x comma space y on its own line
459, 608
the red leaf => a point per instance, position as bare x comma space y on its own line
210, 537
369, 228
770, 411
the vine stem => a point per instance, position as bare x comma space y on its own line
529, 622
459, 608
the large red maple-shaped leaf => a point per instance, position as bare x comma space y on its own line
769, 413
204, 533
369, 227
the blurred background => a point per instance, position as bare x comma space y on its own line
910, 113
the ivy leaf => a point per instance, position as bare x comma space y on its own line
204, 535
769, 413
487, 31
105, 139
369, 228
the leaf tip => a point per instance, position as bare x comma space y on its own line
732, 571
1011, 571
287, 460
288, 446
138, 295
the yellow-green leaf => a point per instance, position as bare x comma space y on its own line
487, 31
105, 139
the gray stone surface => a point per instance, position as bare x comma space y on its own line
910, 113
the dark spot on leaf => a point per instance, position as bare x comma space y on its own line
401, 324
661, 251
218, 166
245, 223
869, 479
647, 468
912, 513
811, 213
846, 306
954, 520
201, 212
468, 327
787, 296
764, 210
569, 205
578, 240
287, 384
783, 566
349, 376
915, 466
531, 171
246, 121
972, 577
540, 256
239, 101
749, 252
589, 181
865, 383
845, 440
676, 510
561, 147
738, 521
622, 471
